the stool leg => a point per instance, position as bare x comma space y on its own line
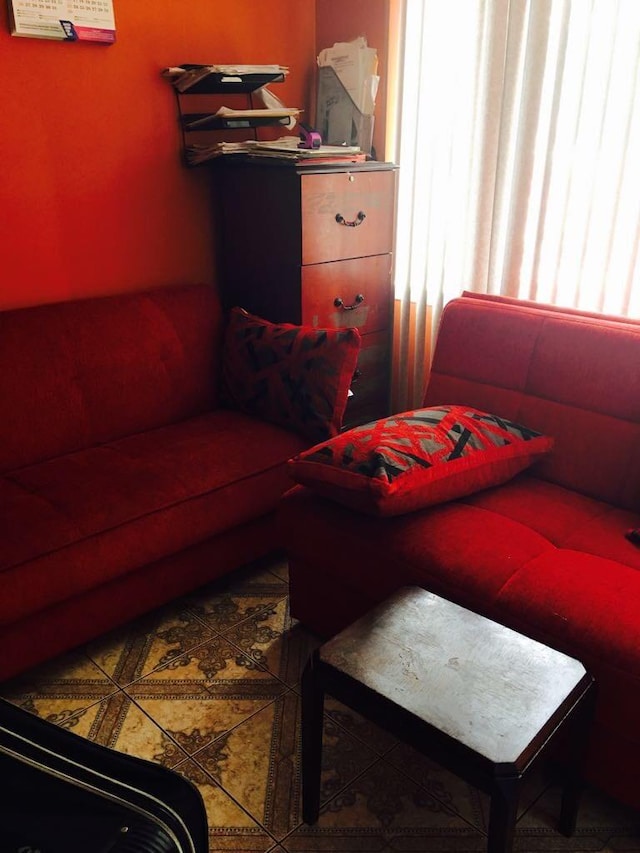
574, 784
503, 814
312, 710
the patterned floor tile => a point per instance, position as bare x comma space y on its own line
230, 827
269, 639
57, 690
384, 810
195, 722
245, 593
449, 789
210, 666
120, 724
602, 823
155, 641
361, 728
209, 691
258, 763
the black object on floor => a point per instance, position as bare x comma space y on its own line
65, 794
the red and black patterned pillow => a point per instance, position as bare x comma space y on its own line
294, 376
418, 458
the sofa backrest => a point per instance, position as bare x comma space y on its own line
569, 374
75, 374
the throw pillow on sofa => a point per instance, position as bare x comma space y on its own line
294, 376
419, 458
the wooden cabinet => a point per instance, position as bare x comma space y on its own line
313, 245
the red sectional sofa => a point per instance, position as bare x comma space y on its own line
544, 553
122, 481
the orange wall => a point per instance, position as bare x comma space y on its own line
337, 20
93, 195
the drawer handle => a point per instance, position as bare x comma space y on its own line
351, 223
338, 303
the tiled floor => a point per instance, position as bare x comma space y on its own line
209, 686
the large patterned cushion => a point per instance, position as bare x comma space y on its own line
418, 458
295, 376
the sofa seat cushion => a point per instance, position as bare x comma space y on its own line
588, 606
564, 517
467, 549
105, 368
458, 551
112, 508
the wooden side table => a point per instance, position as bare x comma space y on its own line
478, 698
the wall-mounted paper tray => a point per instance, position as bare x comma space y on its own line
216, 84
192, 122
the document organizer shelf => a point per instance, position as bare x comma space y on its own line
203, 122
236, 84
197, 106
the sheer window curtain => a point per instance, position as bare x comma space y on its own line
518, 143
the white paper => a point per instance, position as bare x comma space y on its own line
272, 102
356, 65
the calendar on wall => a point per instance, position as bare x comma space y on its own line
65, 20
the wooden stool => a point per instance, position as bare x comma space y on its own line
476, 697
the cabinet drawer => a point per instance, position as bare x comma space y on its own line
371, 380
361, 287
346, 215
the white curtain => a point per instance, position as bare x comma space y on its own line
519, 153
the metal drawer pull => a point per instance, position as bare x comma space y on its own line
360, 217
338, 303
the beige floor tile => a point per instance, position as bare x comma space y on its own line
268, 639
216, 662
120, 724
155, 641
73, 669
244, 593
60, 688
258, 763
204, 695
383, 809
446, 787
601, 822
196, 722
358, 726
230, 827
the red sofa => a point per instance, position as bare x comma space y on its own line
544, 553
122, 482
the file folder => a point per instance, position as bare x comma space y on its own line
338, 119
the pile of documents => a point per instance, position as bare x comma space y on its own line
284, 149
347, 88
356, 67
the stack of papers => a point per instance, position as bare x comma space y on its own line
356, 66
285, 149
